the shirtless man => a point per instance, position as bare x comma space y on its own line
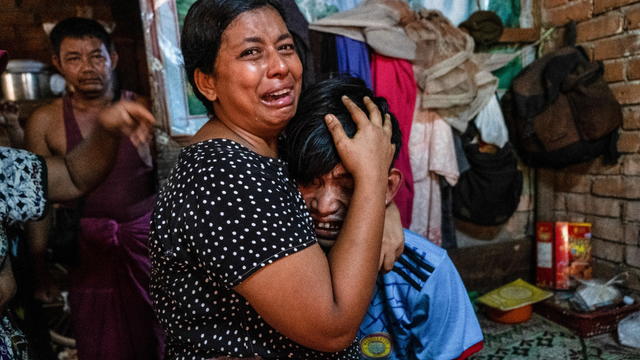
112, 245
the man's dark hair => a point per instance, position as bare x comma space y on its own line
77, 27
202, 31
308, 146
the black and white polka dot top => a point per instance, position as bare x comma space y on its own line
224, 213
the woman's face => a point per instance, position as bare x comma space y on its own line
257, 75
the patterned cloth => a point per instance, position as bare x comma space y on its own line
22, 198
22, 185
424, 307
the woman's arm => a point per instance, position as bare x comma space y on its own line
318, 300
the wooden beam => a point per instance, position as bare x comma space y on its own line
516, 35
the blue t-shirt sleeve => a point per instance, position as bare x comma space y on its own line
444, 324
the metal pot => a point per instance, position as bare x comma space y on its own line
25, 80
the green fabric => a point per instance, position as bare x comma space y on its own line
508, 11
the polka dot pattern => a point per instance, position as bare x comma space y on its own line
224, 213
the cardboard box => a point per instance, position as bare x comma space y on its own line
544, 254
568, 247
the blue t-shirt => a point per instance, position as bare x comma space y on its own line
421, 306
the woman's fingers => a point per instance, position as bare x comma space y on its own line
335, 128
358, 116
387, 125
374, 112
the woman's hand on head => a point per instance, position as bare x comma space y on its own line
369, 153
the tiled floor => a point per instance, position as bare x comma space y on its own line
543, 339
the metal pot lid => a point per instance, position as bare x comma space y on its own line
25, 66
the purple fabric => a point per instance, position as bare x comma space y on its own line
4, 59
128, 191
111, 310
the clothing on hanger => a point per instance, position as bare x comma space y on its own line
394, 80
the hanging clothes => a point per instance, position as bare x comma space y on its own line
491, 125
457, 11
432, 154
325, 55
451, 80
345, 5
299, 28
316, 9
394, 80
353, 59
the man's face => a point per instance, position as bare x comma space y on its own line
86, 64
328, 198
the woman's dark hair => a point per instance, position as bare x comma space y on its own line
77, 28
202, 34
307, 145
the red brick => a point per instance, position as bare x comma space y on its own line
598, 167
15, 17
633, 68
7, 4
633, 17
600, 6
560, 202
608, 250
618, 187
599, 27
632, 234
632, 256
554, 3
575, 10
563, 216
31, 33
617, 47
7, 33
632, 210
595, 167
631, 165
631, 119
627, 93
614, 71
573, 183
604, 207
608, 229
577, 203
629, 142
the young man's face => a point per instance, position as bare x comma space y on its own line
328, 198
86, 64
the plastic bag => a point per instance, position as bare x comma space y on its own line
629, 330
596, 293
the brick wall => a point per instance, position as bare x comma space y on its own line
21, 23
607, 196
21, 32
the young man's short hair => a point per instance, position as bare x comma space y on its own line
308, 145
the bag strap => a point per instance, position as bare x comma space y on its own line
570, 33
